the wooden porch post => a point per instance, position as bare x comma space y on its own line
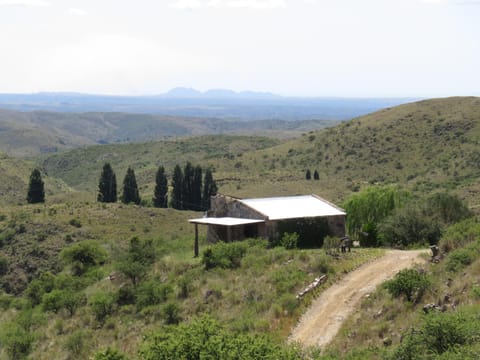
196, 241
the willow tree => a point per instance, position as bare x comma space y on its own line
366, 209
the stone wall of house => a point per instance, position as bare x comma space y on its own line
337, 225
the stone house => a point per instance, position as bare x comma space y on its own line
233, 219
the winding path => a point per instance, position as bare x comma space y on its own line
321, 322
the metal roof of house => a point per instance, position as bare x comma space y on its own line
293, 207
225, 221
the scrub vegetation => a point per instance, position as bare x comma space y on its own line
85, 279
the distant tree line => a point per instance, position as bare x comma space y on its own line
190, 189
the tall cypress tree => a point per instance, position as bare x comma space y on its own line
197, 189
36, 191
107, 186
187, 194
308, 175
160, 195
130, 188
177, 191
209, 189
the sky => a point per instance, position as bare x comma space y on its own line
347, 48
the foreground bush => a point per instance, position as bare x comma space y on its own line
443, 336
408, 282
224, 255
204, 338
16, 341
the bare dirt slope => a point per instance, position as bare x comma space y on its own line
319, 325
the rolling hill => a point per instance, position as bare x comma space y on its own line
55, 300
425, 146
39, 132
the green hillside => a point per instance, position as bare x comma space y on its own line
78, 276
42, 132
425, 146
15, 174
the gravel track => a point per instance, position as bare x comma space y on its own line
323, 319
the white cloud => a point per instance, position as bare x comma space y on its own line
77, 12
252, 4
434, 1
37, 3
222, 4
186, 4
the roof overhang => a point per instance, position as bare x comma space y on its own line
225, 221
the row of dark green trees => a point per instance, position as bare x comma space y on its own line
190, 189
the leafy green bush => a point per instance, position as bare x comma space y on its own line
79, 343
289, 240
102, 305
135, 264
204, 338
447, 208
63, 299
171, 314
408, 282
330, 243
152, 293
460, 234
443, 336
409, 225
83, 255
16, 341
224, 255
460, 258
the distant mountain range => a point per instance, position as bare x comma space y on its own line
216, 103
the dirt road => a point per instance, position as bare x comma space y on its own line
319, 325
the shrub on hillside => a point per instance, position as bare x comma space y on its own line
15, 340
102, 305
460, 258
83, 255
63, 299
224, 255
289, 240
447, 208
152, 293
460, 234
407, 226
443, 336
408, 282
204, 338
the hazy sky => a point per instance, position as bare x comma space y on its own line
289, 47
